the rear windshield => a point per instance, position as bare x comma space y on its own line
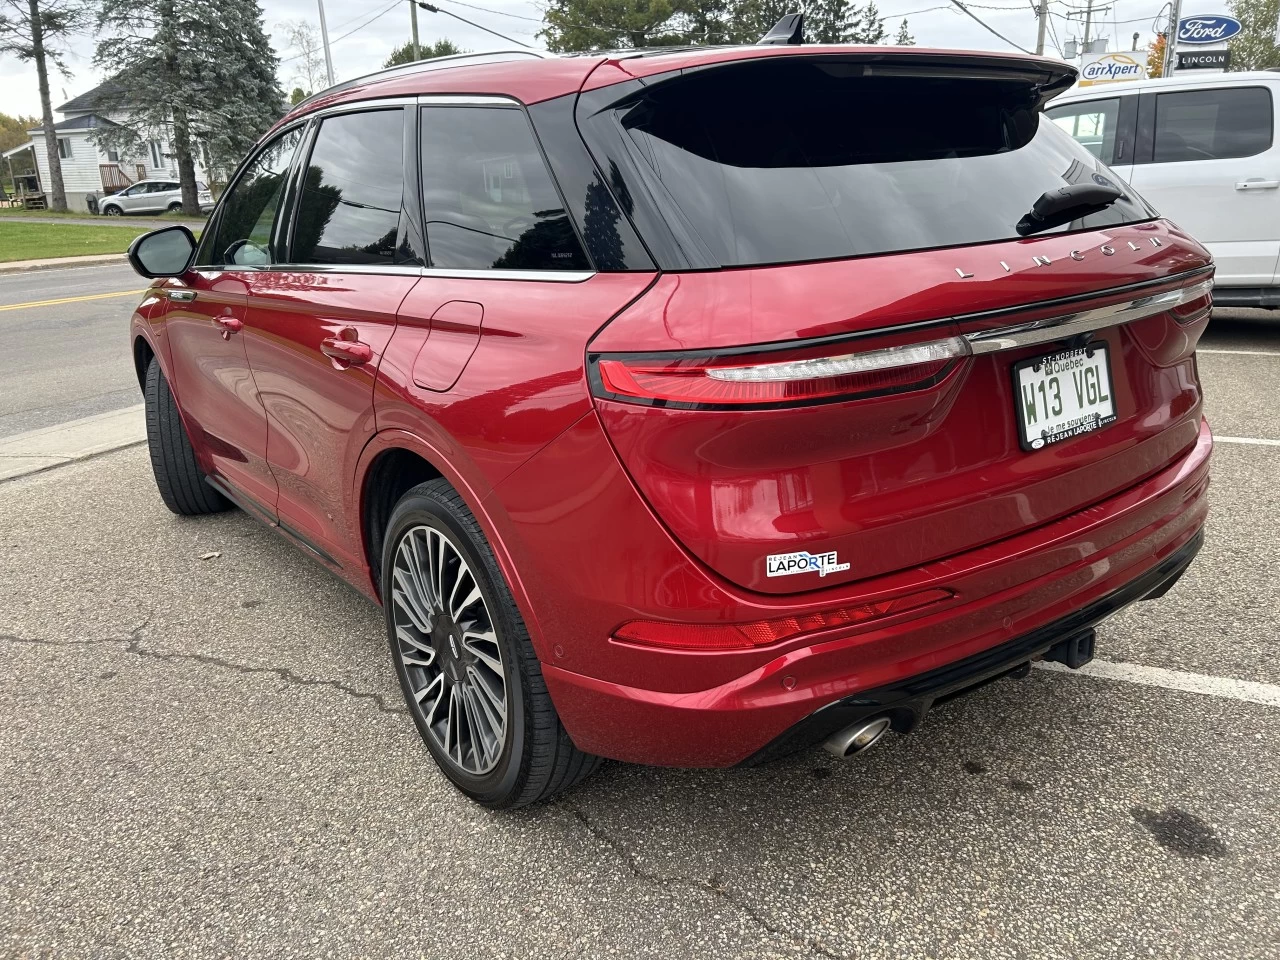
787, 160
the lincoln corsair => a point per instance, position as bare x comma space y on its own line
690, 407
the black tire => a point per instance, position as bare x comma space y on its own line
538, 759
175, 208
112, 211
179, 479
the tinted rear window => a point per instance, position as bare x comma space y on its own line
790, 160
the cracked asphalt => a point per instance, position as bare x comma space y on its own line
209, 758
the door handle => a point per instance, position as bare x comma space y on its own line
181, 296
343, 351
1257, 184
229, 326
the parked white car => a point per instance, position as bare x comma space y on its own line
152, 196
1202, 151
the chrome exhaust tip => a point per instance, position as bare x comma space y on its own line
856, 738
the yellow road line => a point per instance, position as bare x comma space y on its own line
50, 303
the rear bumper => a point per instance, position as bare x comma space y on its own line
1014, 600
907, 701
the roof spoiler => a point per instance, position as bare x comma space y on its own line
788, 30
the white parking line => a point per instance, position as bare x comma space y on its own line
1258, 441
1267, 694
1242, 353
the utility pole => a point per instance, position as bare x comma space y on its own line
324, 38
413, 23
1089, 11
1171, 41
1043, 15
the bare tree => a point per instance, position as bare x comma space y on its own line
36, 30
306, 55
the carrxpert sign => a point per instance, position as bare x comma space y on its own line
1110, 67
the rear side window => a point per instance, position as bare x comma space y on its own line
352, 192
489, 200
1091, 124
1212, 124
245, 225
792, 159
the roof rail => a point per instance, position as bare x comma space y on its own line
432, 63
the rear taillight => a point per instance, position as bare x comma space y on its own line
1197, 303
773, 377
759, 633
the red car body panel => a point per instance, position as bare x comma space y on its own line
319, 410
735, 486
219, 399
600, 512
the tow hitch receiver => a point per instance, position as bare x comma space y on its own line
1075, 651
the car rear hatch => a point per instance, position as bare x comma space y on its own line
876, 343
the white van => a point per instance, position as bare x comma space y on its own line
1202, 150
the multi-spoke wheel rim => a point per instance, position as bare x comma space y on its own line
445, 639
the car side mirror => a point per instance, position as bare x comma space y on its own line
166, 252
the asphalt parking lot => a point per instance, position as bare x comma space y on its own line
203, 753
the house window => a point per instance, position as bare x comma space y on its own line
157, 153
64, 148
113, 156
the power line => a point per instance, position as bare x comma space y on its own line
376, 16
988, 28
431, 8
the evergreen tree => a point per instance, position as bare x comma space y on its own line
1255, 47
865, 25
824, 21
426, 51
749, 20
203, 76
904, 37
34, 30
611, 24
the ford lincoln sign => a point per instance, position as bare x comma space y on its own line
1213, 29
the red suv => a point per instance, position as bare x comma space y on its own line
690, 407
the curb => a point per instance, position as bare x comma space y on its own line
21, 266
48, 447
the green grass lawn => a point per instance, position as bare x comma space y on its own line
35, 241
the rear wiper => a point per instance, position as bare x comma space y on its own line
1056, 207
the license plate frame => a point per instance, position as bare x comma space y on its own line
1041, 441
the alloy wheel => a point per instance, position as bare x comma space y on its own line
446, 641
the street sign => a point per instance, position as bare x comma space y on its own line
1207, 29
1204, 59
1110, 67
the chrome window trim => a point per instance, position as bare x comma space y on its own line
466, 100
360, 106
413, 270
1083, 321
554, 276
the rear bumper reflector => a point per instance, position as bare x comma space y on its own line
758, 633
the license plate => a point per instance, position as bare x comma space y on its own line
1063, 395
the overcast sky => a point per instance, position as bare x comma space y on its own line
363, 32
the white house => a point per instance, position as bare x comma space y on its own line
88, 168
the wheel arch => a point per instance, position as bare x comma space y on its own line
393, 462
143, 354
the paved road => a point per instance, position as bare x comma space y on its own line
64, 361
145, 223
209, 758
